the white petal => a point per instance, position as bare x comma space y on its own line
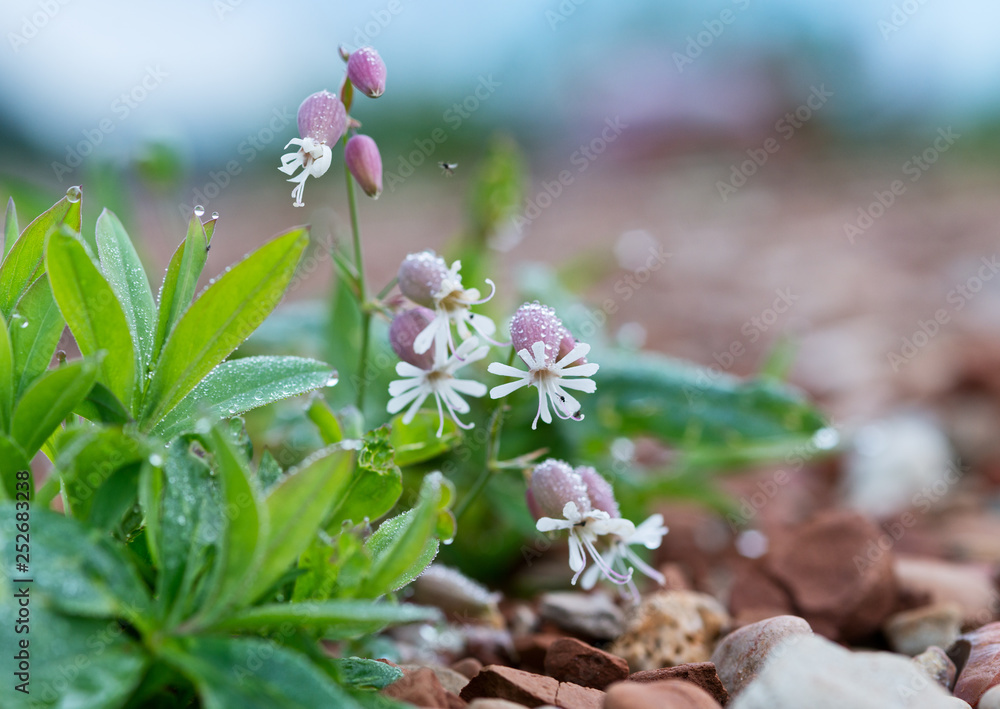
543, 409
482, 324
589, 578
571, 512
581, 370
649, 533
538, 350
405, 369
453, 400
412, 411
503, 390
397, 403
576, 558
551, 524
506, 370
527, 358
322, 164
617, 526
469, 387
398, 386
574, 354
564, 401
423, 341
587, 386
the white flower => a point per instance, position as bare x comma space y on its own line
313, 157
552, 380
440, 382
649, 534
584, 529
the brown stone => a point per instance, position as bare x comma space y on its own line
742, 653
420, 687
573, 696
468, 666
572, 660
836, 582
702, 674
755, 595
969, 585
666, 694
981, 669
455, 701
532, 649
451, 680
494, 704
518, 686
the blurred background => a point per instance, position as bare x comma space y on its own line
719, 179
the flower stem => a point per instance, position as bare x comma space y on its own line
366, 316
489, 465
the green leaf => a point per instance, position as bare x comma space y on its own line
252, 673
77, 569
39, 326
101, 406
185, 522
6, 376
221, 318
75, 662
403, 546
269, 472
243, 536
127, 278
417, 441
180, 281
374, 487
10, 228
239, 385
297, 506
48, 401
688, 406
12, 461
87, 457
25, 259
363, 673
342, 618
93, 313
320, 413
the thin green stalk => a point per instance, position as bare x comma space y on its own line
366, 316
489, 465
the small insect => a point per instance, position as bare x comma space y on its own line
448, 167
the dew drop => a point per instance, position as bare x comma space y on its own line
332, 381
24, 324
181, 519
74, 193
215, 215
199, 210
156, 459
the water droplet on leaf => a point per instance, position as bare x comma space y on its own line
199, 210
74, 193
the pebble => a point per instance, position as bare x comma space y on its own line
991, 699
981, 671
467, 666
702, 674
913, 631
839, 577
451, 680
819, 674
740, 656
572, 660
532, 649
665, 694
671, 628
589, 615
494, 704
530, 690
968, 585
936, 664
421, 687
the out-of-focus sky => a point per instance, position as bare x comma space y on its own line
215, 70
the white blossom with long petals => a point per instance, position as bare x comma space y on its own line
551, 380
650, 535
440, 382
584, 529
312, 156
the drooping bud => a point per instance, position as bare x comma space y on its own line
366, 70
533, 323
322, 117
404, 330
363, 160
602, 497
553, 484
421, 275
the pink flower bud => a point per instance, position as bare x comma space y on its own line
602, 497
322, 117
566, 345
364, 162
366, 70
553, 484
533, 323
420, 277
404, 330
